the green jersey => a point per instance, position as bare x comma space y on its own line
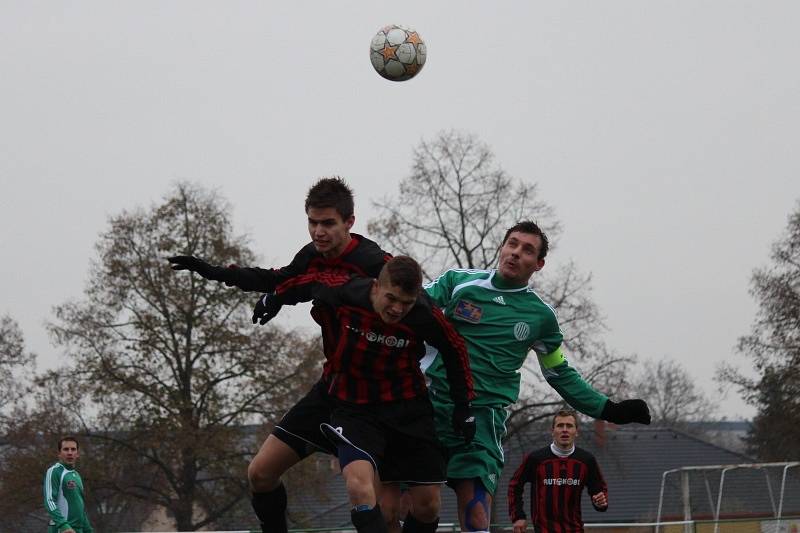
501, 324
63, 499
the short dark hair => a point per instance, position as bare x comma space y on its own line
564, 413
404, 272
529, 226
66, 438
331, 192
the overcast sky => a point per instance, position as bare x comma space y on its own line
665, 134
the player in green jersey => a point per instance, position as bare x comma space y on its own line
501, 320
63, 492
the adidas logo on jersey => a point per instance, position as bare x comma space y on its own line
499, 300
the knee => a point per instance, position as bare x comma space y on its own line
426, 505
360, 490
262, 476
390, 508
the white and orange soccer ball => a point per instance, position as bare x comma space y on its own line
397, 52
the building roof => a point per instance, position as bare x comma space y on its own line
632, 459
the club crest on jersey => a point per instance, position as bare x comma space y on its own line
521, 331
71, 484
468, 311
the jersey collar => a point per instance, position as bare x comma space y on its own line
561, 453
499, 282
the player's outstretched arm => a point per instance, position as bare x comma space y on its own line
247, 279
197, 265
569, 384
626, 411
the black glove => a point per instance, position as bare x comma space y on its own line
193, 264
626, 411
464, 421
266, 308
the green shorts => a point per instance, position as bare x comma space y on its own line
482, 458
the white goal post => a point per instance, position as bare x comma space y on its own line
723, 469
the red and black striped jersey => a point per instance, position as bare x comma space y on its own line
362, 257
556, 487
372, 361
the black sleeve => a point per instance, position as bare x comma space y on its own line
323, 286
516, 489
255, 279
595, 482
439, 333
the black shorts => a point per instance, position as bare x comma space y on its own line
299, 427
398, 437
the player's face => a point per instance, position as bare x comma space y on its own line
564, 431
519, 257
391, 302
68, 453
329, 232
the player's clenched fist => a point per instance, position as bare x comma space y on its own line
600, 500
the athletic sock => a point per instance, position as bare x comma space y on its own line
412, 525
270, 508
369, 521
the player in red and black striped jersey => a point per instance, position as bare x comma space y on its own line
329, 207
376, 355
558, 474
382, 418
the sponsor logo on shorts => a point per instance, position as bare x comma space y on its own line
468, 311
561, 481
389, 340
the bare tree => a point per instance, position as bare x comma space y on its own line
454, 208
16, 367
453, 212
671, 393
171, 361
773, 349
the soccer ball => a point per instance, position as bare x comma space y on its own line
397, 53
